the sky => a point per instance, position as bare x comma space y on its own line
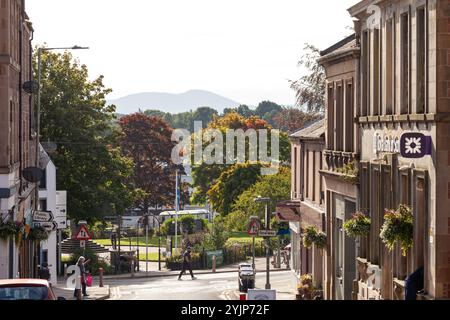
245, 50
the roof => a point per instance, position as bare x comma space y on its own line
347, 47
15, 282
314, 131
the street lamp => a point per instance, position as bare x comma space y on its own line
38, 107
266, 201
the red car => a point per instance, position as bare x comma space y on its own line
26, 289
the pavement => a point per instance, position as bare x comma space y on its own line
95, 293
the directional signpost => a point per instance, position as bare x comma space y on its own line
49, 226
43, 216
253, 228
267, 233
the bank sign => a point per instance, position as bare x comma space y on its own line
411, 145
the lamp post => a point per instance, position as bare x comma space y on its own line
267, 226
38, 108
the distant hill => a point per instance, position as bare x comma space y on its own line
173, 103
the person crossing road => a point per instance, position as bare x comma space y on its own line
187, 264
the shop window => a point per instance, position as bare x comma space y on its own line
376, 215
420, 222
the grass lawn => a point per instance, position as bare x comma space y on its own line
152, 257
152, 241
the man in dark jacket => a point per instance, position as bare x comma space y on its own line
414, 284
187, 264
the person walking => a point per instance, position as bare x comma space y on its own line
187, 264
81, 263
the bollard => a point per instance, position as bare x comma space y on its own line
78, 288
214, 261
243, 297
100, 271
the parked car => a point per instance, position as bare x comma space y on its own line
27, 289
246, 277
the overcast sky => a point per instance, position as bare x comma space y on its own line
245, 50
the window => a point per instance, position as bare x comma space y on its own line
43, 182
376, 73
404, 73
376, 215
421, 60
330, 119
390, 78
420, 221
43, 204
365, 73
296, 172
339, 116
348, 127
306, 173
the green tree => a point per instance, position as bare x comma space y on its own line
231, 184
74, 115
310, 89
276, 187
217, 236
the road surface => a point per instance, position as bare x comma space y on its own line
220, 286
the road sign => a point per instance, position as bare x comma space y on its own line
283, 232
82, 243
43, 216
253, 227
83, 233
267, 233
49, 226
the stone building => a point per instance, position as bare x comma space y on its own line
341, 62
403, 107
17, 139
306, 208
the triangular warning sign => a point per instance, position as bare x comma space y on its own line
83, 233
253, 228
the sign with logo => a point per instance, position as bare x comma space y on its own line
262, 295
83, 233
49, 226
254, 226
385, 143
43, 216
415, 145
283, 232
267, 233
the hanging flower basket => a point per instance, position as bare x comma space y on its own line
7, 229
398, 228
358, 225
38, 234
314, 236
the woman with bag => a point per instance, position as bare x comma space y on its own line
81, 264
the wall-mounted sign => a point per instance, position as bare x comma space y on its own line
415, 145
385, 143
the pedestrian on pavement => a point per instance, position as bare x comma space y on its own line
81, 263
114, 240
187, 264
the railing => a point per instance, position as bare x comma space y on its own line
337, 159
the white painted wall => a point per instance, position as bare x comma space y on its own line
50, 195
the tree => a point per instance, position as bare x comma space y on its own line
205, 115
276, 187
243, 110
147, 140
293, 119
74, 115
310, 89
231, 184
217, 236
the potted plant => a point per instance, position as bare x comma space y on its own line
7, 229
307, 290
314, 236
38, 234
358, 225
350, 172
398, 227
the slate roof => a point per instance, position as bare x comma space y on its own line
314, 131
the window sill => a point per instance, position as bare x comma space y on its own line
431, 117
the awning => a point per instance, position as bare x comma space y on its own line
288, 211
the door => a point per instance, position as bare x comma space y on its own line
339, 258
